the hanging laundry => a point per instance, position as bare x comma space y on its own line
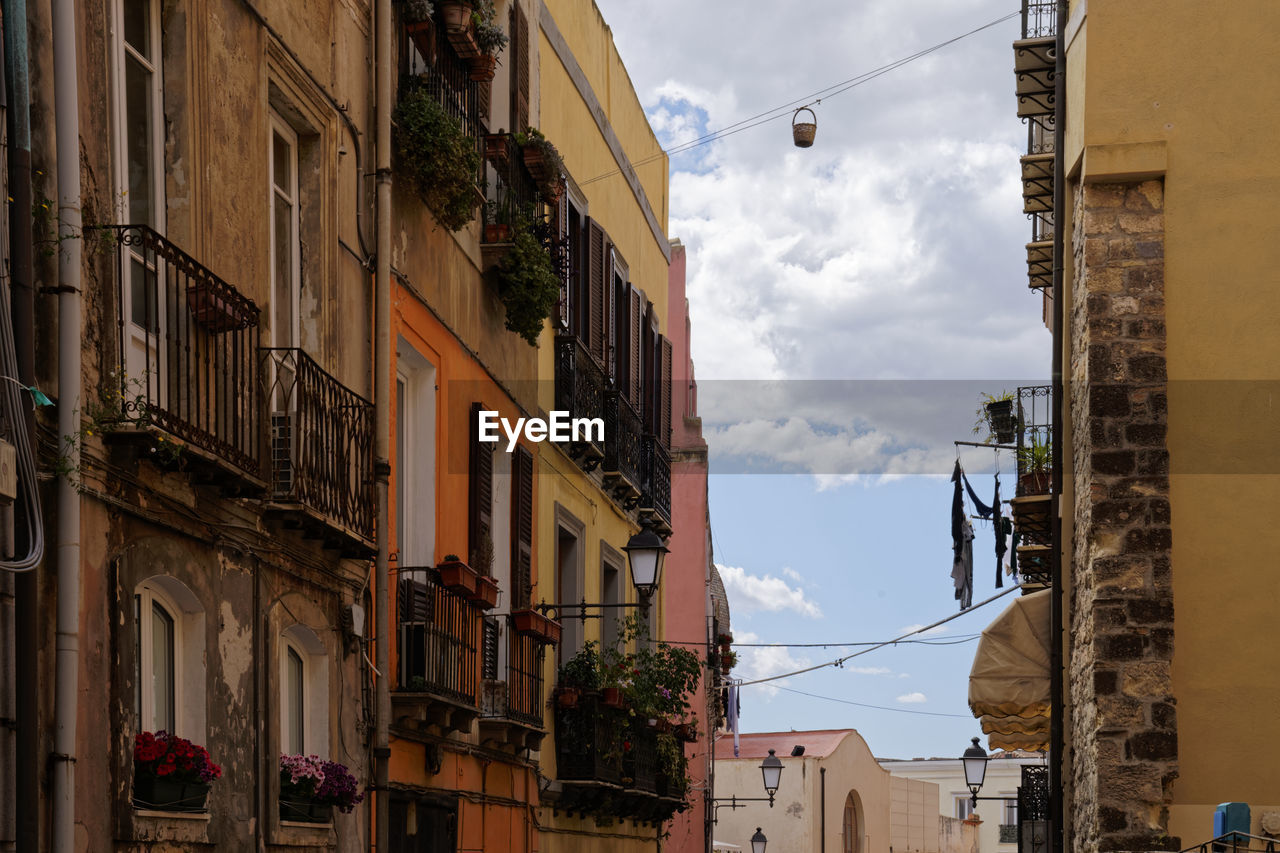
962, 568
733, 710
999, 530
1013, 552
980, 508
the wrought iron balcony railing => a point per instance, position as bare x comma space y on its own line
589, 742
657, 478
447, 76
580, 391
524, 677
623, 463
1039, 18
439, 638
188, 346
512, 192
321, 441
1008, 833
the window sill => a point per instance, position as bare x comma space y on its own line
155, 814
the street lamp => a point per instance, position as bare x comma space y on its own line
975, 769
758, 841
771, 770
645, 552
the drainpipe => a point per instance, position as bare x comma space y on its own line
1057, 738
822, 839
22, 296
66, 100
382, 404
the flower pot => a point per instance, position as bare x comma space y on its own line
423, 34
210, 310
305, 811
495, 148
686, 732
483, 67
497, 232
1003, 425
536, 163
534, 624
551, 631
567, 697
458, 577
611, 697
485, 596
169, 795
552, 191
1034, 483
464, 44
456, 16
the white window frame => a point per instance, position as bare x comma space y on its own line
963, 806
188, 655
119, 51
315, 690
416, 425
292, 336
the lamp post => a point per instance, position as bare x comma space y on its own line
758, 841
975, 769
645, 554
771, 772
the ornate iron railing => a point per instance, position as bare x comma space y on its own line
640, 761
589, 741
1008, 833
1035, 428
524, 676
321, 440
1033, 809
623, 434
580, 383
439, 638
657, 477
512, 192
447, 77
1039, 18
188, 346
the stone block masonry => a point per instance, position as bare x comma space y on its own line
1123, 725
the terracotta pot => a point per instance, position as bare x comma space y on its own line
612, 697
495, 147
539, 168
458, 577
686, 732
423, 34
1034, 483
456, 17
497, 232
483, 68
210, 310
485, 596
567, 697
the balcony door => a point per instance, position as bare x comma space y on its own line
138, 142
283, 316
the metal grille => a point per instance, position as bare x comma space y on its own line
322, 440
622, 439
657, 477
580, 383
512, 191
524, 677
1033, 810
447, 77
1039, 18
1035, 422
491, 637
187, 346
439, 637
589, 742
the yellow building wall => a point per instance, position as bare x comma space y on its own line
1191, 77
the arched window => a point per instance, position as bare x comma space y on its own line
170, 651
304, 693
852, 829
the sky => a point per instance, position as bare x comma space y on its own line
849, 303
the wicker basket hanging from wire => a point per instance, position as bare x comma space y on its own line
802, 132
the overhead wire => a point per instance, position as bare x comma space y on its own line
876, 707
806, 101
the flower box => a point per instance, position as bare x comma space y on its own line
456, 16
485, 596
212, 311
483, 67
169, 795
612, 697
567, 697
540, 169
497, 232
495, 148
534, 624
458, 577
423, 34
305, 811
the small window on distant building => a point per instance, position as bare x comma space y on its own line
964, 806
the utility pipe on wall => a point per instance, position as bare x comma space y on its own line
67, 117
382, 403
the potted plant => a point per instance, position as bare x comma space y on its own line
687, 731
527, 283
456, 15
310, 787
171, 773
419, 23
495, 148
728, 660
485, 596
457, 575
578, 674
438, 158
996, 417
1035, 464
489, 38
540, 157
534, 624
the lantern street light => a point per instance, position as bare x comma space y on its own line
758, 841
975, 769
771, 771
645, 553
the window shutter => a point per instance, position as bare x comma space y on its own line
664, 423
481, 492
521, 528
596, 291
563, 258
635, 375
519, 51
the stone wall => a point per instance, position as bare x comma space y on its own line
1123, 725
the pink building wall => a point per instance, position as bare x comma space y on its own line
687, 574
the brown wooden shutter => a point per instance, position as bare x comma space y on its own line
664, 423
635, 373
481, 486
521, 528
596, 331
564, 259
519, 51
610, 310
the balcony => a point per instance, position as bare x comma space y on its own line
1008, 833
187, 364
1031, 507
1037, 183
511, 709
623, 463
512, 195
438, 642
655, 503
321, 477
1034, 68
607, 765
580, 390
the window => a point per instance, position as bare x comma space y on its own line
1010, 815
415, 458
304, 693
964, 806
611, 588
169, 640
570, 566
285, 246
851, 826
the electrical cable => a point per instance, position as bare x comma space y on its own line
876, 707
806, 101
12, 411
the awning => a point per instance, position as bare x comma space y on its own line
1009, 681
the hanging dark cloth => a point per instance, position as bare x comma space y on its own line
980, 508
962, 567
1013, 556
957, 523
1001, 547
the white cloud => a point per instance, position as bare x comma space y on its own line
912, 698
764, 662
791, 573
932, 632
869, 670
749, 593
